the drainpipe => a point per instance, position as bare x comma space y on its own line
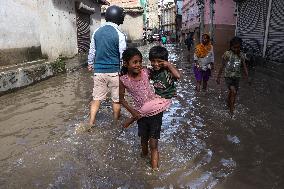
266, 29
211, 20
237, 17
201, 9
162, 16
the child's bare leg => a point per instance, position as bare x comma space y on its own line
154, 153
204, 86
116, 111
198, 84
232, 98
128, 122
144, 146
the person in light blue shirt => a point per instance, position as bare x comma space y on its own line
104, 59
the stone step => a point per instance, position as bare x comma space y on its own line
22, 75
25, 64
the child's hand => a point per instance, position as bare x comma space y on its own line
196, 65
211, 66
136, 115
165, 64
90, 67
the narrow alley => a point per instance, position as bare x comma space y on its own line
201, 146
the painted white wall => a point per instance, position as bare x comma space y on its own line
50, 24
58, 28
18, 24
132, 26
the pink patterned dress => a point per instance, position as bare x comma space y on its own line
146, 102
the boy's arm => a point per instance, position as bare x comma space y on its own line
245, 69
124, 103
174, 71
220, 71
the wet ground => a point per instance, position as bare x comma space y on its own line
201, 146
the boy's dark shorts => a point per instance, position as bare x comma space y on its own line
232, 81
150, 127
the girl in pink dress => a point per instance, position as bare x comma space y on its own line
147, 107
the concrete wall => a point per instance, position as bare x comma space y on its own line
30, 28
223, 35
18, 24
58, 28
19, 32
133, 21
224, 12
132, 26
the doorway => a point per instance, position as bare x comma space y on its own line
83, 32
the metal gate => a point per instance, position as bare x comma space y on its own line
275, 40
261, 26
83, 32
251, 24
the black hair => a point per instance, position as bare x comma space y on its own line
158, 52
235, 40
206, 34
127, 55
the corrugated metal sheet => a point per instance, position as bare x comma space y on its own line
251, 23
251, 26
83, 32
275, 43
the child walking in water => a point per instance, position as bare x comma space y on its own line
232, 61
163, 74
148, 107
203, 62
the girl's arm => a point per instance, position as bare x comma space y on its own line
124, 103
174, 71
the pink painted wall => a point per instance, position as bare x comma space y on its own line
224, 12
189, 14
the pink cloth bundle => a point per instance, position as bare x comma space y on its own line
154, 107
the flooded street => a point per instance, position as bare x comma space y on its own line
201, 146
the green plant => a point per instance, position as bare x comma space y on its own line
59, 64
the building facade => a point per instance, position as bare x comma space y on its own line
168, 19
38, 28
216, 17
152, 15
133, 22
179, 20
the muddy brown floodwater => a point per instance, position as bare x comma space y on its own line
201, 146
